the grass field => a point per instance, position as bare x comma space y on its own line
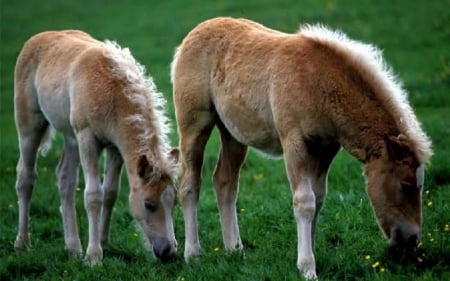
415, 37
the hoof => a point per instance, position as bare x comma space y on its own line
77, 254
191, 252
74, 250
307, 269
191, 256
93, 261
309, 275
94, 258
22, 244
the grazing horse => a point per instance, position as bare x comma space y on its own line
96, 94
302, 96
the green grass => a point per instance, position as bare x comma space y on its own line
415, 37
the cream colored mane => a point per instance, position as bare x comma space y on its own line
368, 61
150, 116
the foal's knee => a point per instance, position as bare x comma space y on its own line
304, 204
189, 187
93, 199
188, 193
25, 179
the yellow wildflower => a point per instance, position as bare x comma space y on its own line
258, 177
216, 249
447, 228
375, 264
367, 257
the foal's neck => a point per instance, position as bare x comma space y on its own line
365, 127
132, 147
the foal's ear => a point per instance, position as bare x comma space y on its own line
397, 148
174, 154
144, 168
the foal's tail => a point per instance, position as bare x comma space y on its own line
46, 141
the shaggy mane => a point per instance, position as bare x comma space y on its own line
150, 107
368, 61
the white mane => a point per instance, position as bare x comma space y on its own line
371, 65
150, 104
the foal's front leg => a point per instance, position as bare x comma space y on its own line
93, 193
193, 139
113, 167
226, 177
190, 181
304, 204
67, 172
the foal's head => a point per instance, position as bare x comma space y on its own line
152, 200
394, 185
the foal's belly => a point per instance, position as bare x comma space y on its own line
250, 127
54, 103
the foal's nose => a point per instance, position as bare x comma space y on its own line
163, 249
404, 235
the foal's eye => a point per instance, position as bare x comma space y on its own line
150, 206
408, 189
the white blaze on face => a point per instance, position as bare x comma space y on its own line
420, 176
167, 199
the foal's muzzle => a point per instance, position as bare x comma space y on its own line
404, 236
163, 249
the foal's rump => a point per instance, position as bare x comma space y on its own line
63, 76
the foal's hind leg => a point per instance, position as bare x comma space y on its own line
67, 172
110, 186
30, 136
226, 177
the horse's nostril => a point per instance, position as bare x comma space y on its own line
411, 236
163, 249
412, 241
404, 236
